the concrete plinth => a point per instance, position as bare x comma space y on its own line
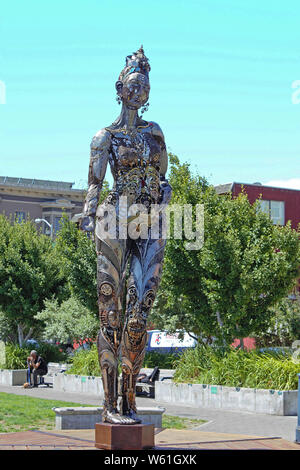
87, 417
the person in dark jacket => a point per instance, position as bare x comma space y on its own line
37, 366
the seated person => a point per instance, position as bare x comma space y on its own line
37, 367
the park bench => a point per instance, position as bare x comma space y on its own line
146, 385
53, 368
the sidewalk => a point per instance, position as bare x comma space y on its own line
219, 421
165, 439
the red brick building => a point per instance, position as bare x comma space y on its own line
282, 204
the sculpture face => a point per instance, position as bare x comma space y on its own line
135, 90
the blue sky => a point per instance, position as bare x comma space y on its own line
221, 84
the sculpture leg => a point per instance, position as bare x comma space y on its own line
145, 274
110, 281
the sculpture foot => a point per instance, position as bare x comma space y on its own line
114, 417
132, 415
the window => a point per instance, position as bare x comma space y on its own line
20, 216
275, 209
277, 212
57, 224
264, 206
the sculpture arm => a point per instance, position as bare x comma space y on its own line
164, 184
158, 134
100, 147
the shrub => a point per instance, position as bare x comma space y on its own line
237, 368
16, 357
163, 361
51, 352
85, 363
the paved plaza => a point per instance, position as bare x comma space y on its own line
165, 439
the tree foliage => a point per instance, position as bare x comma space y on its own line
78, 263
284, 325
246, 265
29, 274
67, 322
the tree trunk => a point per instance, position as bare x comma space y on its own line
21, 338
20, 335
28, 336
221, 325
241, 345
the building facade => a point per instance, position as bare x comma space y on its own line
23, 198
281, 204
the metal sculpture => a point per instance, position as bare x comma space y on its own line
136, 152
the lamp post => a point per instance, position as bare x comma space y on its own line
37, 221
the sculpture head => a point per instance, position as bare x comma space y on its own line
133, 85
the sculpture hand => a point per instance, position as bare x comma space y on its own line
87, 223
166, 191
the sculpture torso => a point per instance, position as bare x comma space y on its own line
135, 161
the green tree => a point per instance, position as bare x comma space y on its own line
29, 274
246, 265
8, 329
67, 322
78, 261
284, 325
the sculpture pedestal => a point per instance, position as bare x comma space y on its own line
124, 437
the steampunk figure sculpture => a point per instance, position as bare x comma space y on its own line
136, 152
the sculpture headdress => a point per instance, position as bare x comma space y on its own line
137, 62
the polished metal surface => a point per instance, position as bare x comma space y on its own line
128, 268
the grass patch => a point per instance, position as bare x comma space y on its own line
176, 422
23, 413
